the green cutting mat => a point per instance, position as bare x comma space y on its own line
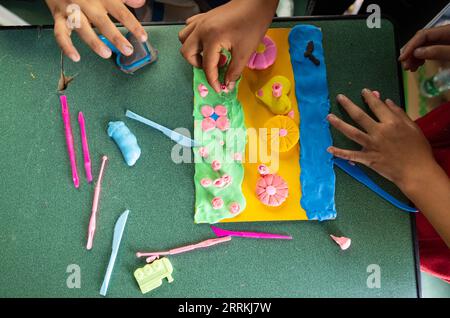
44, 219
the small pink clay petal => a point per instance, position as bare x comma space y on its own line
279, 198
268, 42
251, 61
216, 165
207, 111
202, 90
260, 190
208, 124
203, 152
291, 114
227, 178
205, 182
220, 110
264, 198
218, 183
235, 208
282, 193
217, 203
260, 93
263, 170
272, 201
224, 88
269, 179
270, 54
223, 123
262, 183
343, 242
237, 156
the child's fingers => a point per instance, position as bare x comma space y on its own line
235, 69
124, 16
88, 35
412, 64
191, 50
396, 109
134, 3
99, 17
186, 31
211, 58
349, 131
433, 52
355, 156
423, 37
62, 35
376, 105
193, 18
356, 113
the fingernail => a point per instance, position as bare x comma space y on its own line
377, 94
365, 91
143, 37
405, 65
231, 85
419, 52
127, 50
330, 150
74, 57
331, 117
340, 97
105, 53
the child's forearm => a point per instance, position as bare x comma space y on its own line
430, 192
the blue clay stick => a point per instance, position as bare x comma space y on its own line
125, 140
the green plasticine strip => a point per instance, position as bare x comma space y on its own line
221, 188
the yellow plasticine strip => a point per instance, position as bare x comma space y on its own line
256, 115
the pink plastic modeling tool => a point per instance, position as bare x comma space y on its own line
93, 220
84, 143
69, 139
257, 235
154, 255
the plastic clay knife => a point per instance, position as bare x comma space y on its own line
118, 232
177, 137
359, 175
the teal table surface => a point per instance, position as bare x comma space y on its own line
44, 219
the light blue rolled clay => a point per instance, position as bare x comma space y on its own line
125, 140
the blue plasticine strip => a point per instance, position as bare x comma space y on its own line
317, 175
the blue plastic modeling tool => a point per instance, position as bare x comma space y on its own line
359, 175
177, 137
118, 232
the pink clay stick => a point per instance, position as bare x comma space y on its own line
93, 220
257, 235
153, 255
69, 139
84, 143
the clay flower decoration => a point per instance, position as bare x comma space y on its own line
271, 189
215, 117
265, 55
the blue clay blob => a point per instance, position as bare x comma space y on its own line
125, 140
317, 175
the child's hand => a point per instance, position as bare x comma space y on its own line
393, 146
427, 44
96, 12
237, 26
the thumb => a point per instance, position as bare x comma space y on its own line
134, 3
234, 71
433, 52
